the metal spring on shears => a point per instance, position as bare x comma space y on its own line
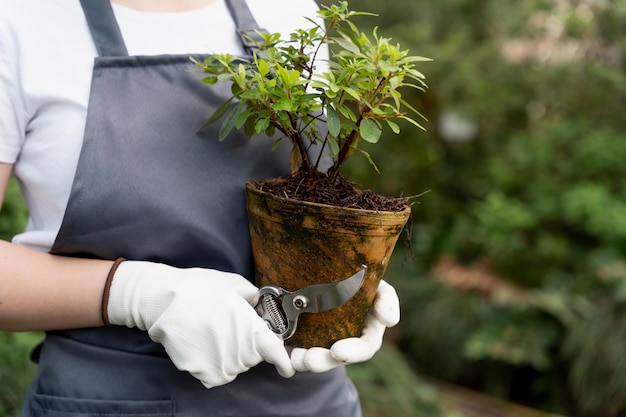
271, 306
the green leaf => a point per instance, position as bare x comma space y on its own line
276, 143
369, 130
264, 68
352, 93
414, 110
229, 123
224, 77
219, 112
284, 75
347, 45
332, 120
408, 119
283, 104
330, 94
346, 111
294, 76
333, 146
248, 127
394, 126
369, 159
321, 85
209, 80
261, 125
270, 131
243, 117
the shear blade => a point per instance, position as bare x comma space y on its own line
324, 297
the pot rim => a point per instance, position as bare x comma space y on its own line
302, 204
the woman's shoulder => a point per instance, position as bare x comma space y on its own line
21, 15
36, 25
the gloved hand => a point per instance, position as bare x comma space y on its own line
385, 312
202, 317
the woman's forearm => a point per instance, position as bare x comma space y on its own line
39, 291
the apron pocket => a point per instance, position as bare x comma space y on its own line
51, 406
350, 409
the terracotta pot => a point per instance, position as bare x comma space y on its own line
296, 244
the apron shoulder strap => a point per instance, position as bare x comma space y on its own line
104, 28
247, 27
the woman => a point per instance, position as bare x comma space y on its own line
136, 260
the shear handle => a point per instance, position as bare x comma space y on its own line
269, 303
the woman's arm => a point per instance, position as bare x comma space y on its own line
39, 291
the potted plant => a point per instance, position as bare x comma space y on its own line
285, 93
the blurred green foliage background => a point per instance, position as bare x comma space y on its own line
516, 287
514, 281
16, 369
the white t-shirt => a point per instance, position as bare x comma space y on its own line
46, 62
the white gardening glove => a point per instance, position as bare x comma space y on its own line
202, 317
385, 312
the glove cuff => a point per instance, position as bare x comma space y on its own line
107, 292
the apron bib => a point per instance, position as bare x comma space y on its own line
151, 186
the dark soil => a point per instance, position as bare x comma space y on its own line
343, 193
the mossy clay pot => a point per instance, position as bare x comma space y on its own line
296, 244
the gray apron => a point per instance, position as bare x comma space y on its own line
150, 185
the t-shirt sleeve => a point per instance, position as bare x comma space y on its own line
12, 108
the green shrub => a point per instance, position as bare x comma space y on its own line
390, 388
16, 370
537, 197
13, 214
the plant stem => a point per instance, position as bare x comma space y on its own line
333, 172
298, 142
345, 148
